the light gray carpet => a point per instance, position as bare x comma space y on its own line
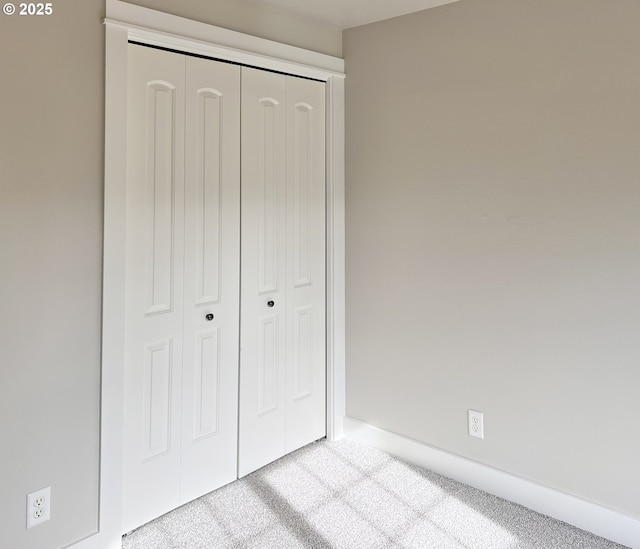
345, 495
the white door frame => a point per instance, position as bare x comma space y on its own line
127, 22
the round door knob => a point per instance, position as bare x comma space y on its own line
209, 316
270, 303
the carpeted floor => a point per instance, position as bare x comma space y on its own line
345, 495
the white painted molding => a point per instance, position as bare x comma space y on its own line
92, 542
336, 377
169, 31
584, 514
113, 284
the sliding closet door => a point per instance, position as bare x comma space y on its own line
154, 273
282, 359
211, 277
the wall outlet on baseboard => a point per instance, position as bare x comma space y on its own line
476, 424
38, 507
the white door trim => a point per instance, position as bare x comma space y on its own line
129, 22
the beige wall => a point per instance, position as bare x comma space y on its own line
493, 243
255, 19
51, 151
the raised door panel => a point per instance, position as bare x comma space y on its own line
206, 385
305, 354
154, 308
156, 398
211, 277
159, 196
263, 303
206, 177
268, 364
269, 112
303, 350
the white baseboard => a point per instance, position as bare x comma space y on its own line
584, 514
92, 542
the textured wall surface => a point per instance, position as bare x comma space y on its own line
51, 179
493, 243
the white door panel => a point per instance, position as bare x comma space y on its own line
154, 307
263, 307
306, 372
211, 280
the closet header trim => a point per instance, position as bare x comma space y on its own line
291, 61
201, 56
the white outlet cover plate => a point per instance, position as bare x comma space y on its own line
38, 507
476, 424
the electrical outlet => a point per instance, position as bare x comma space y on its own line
38, 507
476, 424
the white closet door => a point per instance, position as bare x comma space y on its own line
305, 399
154, 271
263, 290
211, 280
282, 358
182, 278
